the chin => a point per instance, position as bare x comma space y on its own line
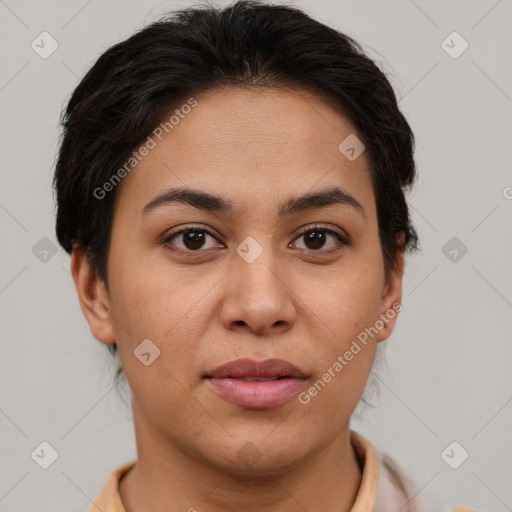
263, 456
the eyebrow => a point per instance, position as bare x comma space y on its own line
210, 202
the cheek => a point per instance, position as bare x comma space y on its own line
164, 307
339, 317
146, 306
346, 303
342, 349
144, 293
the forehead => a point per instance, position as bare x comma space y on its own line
249, 144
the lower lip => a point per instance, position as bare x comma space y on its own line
257, 394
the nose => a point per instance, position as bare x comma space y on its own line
258, 298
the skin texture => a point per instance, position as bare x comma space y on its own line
296, 301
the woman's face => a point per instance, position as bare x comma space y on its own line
248, 283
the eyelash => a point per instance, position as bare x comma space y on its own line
343, 241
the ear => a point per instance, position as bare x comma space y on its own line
93, 297
391, 301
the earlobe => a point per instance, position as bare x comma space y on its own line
391, 302
93, 297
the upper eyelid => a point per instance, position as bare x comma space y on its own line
189, 228
341, 237
302, 231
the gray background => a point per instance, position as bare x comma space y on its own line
448, 376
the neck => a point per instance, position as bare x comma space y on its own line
166, 479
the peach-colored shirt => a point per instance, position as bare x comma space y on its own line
377, 493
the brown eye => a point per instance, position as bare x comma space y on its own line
193, 240
316, 238
190, 240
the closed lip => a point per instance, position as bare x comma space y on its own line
250, 369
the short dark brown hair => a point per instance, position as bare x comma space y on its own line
136, 83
